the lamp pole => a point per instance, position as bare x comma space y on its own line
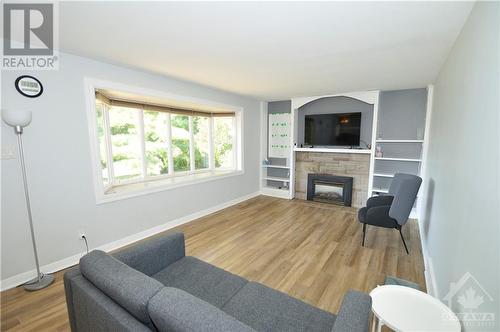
18, 120
19, 132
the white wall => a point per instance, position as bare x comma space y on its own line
461, 227
60, 174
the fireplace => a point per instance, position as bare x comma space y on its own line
331, 189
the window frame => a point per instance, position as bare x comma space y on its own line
105, 193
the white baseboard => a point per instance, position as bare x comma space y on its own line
430, 277
64, 263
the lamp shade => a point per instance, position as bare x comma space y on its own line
15, 118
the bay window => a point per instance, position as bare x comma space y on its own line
140, 142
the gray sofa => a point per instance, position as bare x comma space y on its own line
153, 286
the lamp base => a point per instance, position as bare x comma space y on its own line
35, 284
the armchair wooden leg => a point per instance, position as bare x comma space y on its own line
402, 238
364, 233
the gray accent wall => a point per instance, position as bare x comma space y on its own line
339, 104
60, 170
401, 114
461, 224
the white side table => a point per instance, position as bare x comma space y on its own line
404, 309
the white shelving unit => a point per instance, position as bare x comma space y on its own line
275, 177
399, 140
395, 127
383, 175
275, 166
399, 159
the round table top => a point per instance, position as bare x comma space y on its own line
406, 309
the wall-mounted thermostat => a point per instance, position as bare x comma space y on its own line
29, 86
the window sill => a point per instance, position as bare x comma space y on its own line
125, 191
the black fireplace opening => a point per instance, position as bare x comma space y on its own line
331, 189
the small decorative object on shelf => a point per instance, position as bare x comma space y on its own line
266, 162
378, 152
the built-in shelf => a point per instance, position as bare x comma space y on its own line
365, 151
276, 178
276, 192
398, 159
276, 166
382, 175
380, 190
400, 141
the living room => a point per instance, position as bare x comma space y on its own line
250, 166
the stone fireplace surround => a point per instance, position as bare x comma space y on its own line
354, 165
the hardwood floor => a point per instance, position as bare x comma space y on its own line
311, 251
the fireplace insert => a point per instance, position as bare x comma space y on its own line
331, 189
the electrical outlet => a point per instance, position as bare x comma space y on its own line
7, 152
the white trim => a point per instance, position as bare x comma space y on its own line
425, 151
277, 179
383, 175
191, 144
169, 147
112, 197
21, 278
275, 192
356, 151
211, 154
429, 274
275, 166
369, 97
399, 159
293, 123
400, 141
371, 170
142, 143
263, 142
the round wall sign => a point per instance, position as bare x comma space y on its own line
29, 86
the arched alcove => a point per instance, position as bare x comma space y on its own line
336, 105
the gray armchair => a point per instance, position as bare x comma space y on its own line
391, 210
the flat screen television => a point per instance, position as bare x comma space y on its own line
333, 129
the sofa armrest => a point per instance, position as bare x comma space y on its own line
379, 201
354, 313
153, 255
173, 309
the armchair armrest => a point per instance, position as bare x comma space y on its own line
354, 313
153, 255
379, 201
173, 309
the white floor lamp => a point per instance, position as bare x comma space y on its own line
18, 120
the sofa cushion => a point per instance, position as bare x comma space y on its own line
202, 280
173, 309
265, 309
128, 287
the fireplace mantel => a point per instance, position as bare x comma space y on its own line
363, 151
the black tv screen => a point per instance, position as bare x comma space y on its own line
333, 129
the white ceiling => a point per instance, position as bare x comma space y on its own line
271, 50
